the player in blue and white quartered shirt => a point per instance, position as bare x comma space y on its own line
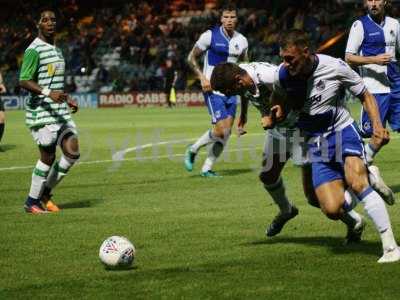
220, 44
372, 46
254, 82
313, 85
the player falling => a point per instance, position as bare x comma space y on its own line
47, 114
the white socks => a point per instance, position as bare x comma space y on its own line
376, 210
214, 152
355, 216
39, 175
58, 171
370, 152
277, 191
204, 140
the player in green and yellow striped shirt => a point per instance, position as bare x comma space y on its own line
47, 114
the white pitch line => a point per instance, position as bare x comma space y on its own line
92, 162
145, 157
120, 154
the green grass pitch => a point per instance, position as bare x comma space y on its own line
196, 238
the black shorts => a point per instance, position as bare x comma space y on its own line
1, 105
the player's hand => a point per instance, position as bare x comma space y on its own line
380, 136
268, 122
383, 59
205, 84
3, 89
240, 126
277, 113
73, 105
58, 96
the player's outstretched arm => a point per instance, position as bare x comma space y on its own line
380, 134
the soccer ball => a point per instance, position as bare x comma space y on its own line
117, 252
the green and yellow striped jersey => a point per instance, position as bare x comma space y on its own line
45, 64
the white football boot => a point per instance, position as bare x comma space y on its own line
391, 254
380, 186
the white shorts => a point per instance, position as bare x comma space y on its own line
289, 143
49, 135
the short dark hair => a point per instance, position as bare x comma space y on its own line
294, 37
223, 77
42, 10
228, 7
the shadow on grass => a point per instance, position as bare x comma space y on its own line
80, 204
121, 269
235, 172
6, 147
131, 183
335, 244
395, 188
223, 173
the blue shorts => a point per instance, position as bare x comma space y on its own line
328, 154
220, 107
389, 110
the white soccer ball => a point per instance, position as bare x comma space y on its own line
117, 252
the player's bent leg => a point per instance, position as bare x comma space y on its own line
39, 177
192, 149
70, 155
273, 184
217, 110
356, 177
222, 132
331, 198
354, 222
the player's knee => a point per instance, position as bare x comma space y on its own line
358, 186
332, 210
72, 156
222, 132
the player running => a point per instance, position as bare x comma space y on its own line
47, 114
373, 43
254, 81
220, 44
